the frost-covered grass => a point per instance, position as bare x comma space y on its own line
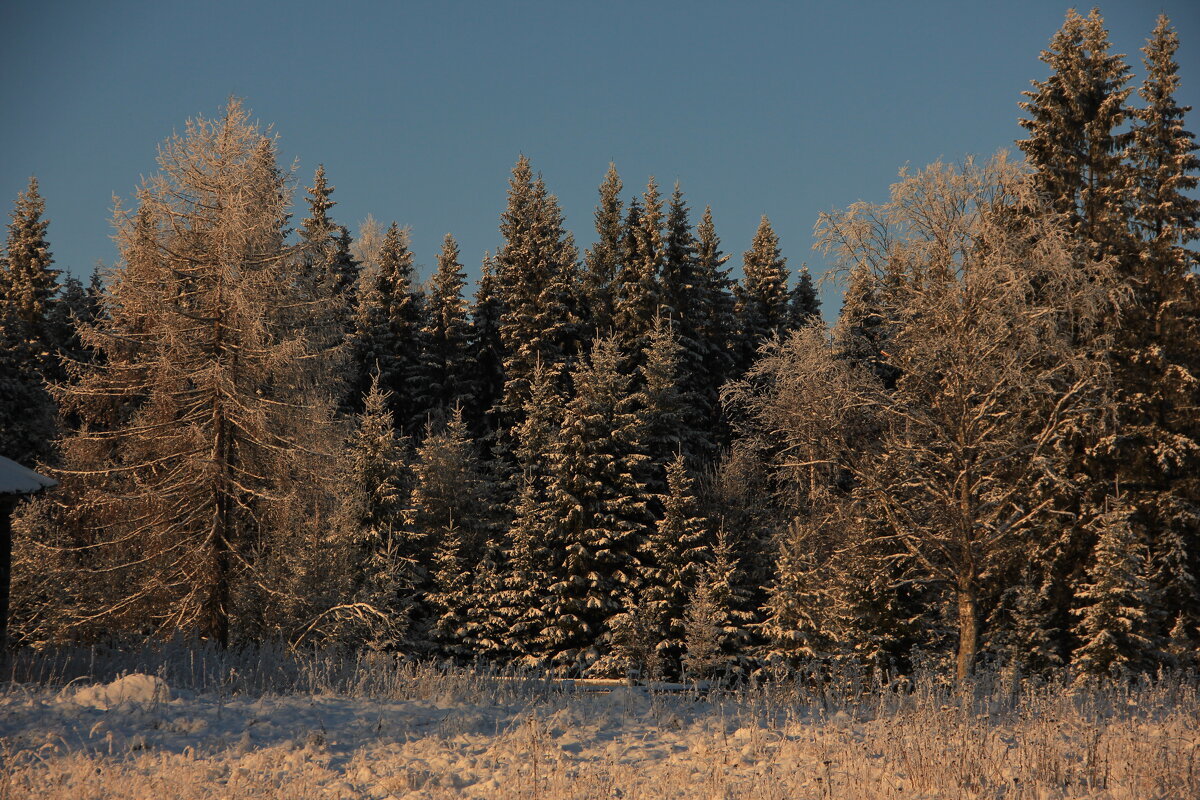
271, 724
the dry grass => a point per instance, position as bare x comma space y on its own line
359, 727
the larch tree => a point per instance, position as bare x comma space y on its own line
207, 436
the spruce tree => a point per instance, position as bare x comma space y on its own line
329, 263
486, 349
660, 404
537, 279
762, 296
443, 376
638, 294
1076, 142
677, 552
603, 260
534, 550
1113, 622
387, 328
1155, 455
804, 306
718, 619
715, 323
28, 349
599, 511
383, 570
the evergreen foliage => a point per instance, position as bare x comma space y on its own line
762, 295
443, 379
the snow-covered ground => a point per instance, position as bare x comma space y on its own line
420, 732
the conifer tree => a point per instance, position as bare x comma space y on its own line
383, 570
804, 306
603, 260
28, 350
387, 328
1154, 454
443, 378
661, 407
537, 279
715, 322
599, 511
329, 262
1112, 623
486, 349
718, 619
762, 296
534, 549
209, 493
1075, 142
677, 552
638, 293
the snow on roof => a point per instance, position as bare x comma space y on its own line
15, 479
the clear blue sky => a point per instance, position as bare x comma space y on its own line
419, 109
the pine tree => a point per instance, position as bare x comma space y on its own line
603, 260
1112, 623
599, 511
28, 349
207, 477
387, 328
443, 378
762, 296
804, 306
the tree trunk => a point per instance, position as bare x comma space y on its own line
7, 505
968, 629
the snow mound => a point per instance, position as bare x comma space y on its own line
137, 688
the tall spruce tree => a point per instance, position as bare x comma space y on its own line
443, 377
804, 306
715, 324
1076, 142
387, 328
486, 348
762, 295
537, 277
603, 259
638, 293
28, 346
1156, 454
599, 511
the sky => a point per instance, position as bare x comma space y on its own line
418, 110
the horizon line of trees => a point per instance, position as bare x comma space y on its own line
629, 460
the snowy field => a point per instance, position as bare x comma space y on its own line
268, 725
